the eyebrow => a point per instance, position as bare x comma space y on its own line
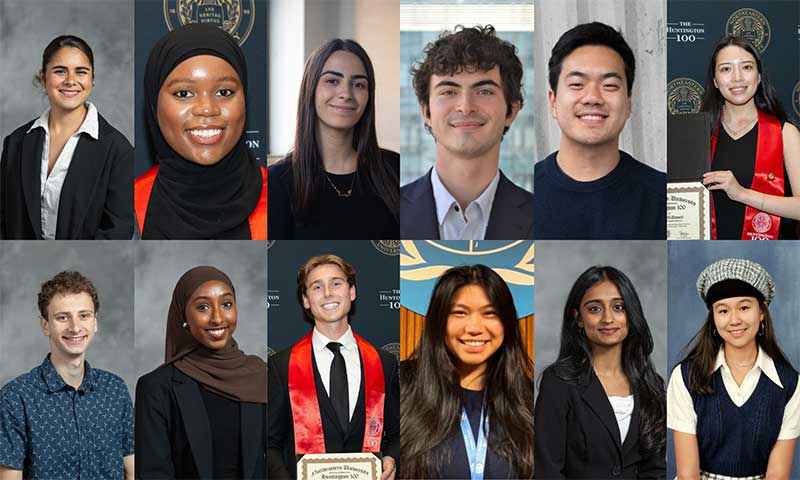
735, 61
205, 297
192, 81
340, 74
80, 67
576, 73
488, 305
593, 300
480, 83
67, 312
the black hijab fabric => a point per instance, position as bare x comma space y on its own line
191, 201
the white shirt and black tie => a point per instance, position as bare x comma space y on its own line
324, 357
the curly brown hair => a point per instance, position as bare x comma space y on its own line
64, 283
318, 261
469, 49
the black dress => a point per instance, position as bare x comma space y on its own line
739, 156
224, 418
363, 215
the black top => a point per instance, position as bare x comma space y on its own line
738, 156
362, 215
224, 417
458, 466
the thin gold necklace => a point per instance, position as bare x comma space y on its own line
338, 192
735, 133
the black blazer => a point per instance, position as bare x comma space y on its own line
173, 434
280, 443
97, 197
511, 217
577, 435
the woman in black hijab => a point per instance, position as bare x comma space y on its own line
202, 413
206, 184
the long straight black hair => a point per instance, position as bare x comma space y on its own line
373, 172
430, 395
574, 363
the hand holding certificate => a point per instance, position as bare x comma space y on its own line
689, 157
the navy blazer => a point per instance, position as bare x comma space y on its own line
97, 196
511, 217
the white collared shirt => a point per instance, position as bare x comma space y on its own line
51, 185
352, 362
467, 224
680, 408
623, 411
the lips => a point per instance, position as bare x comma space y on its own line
330, 306
217, 333
737, 90
344, 109
608, 330
474, 346
737, 332
206, 135
592, 117
69, 93
74, 339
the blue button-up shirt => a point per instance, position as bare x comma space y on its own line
52, 431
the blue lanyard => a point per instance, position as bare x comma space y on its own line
476, 454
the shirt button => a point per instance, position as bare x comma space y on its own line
456, 208
616, 471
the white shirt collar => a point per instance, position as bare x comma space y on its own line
444, 200
763, 362
320, 342
90, 124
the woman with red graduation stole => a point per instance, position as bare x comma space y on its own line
466, 409
755, 150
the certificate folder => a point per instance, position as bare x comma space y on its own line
688, 147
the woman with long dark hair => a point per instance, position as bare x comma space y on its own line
734, 406
466, 402
336, 182
66, 175
755, 150
601, 406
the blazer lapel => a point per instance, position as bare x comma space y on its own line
509, 219
252, 418
632, 437
596, 399
31, 168
418, 221
195, 422
79, 185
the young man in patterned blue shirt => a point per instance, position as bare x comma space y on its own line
65, 419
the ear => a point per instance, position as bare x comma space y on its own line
551, 98
306, 303
45, 326
515, 108
425, 112
40, 77
352, 293
95, 325
717, 86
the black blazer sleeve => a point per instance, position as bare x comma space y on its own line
153, 413
550, 421
116, 221
3, 174
390, 446
278, 414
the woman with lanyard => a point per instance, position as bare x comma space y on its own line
206, 184
601, 406
755, 150
734, 406
202, 413
466, 406
67, 174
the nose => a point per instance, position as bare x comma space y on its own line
345, 91
215, 317
206, 106
466, 104
592, 94
74, 324
71, 78
474, 325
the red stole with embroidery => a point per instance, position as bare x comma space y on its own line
308, 434
767, 179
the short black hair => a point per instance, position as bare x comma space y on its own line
66, 41
594, 33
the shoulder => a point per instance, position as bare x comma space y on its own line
411, 191
552, 382
17, 135
542, 168
22, 384
791, 135
280, 360
511, 188
392, 158
281, 168
643, 173
157, 379
109, 380
111, 135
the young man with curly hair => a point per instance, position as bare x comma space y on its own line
469, 88
65, 419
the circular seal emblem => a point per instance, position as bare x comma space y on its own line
751, 24
393, 348
684, 95
234, 16
796, 98
387, 247
762, 222
374, 426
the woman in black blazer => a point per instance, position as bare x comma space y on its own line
202, 414
69, 173
601, 407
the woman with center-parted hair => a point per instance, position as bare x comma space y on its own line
336, 182
466, 403
601, 406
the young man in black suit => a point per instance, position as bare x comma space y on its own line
469, 88
323, 379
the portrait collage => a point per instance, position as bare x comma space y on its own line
468, 239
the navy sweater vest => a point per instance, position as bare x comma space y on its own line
737, 441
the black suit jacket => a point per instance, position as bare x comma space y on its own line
173, 434
511, 217
577, 435
97, 196
280, 443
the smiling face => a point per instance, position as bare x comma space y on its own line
467, 113
328, 295
737, 320
602, 315
474, 331
211, 314
591, 104
67, 79
736, 75
201, 109
70, 324
342, 92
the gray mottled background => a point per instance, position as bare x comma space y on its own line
558, 265
642, 25
24, 266
26, 27
160, 264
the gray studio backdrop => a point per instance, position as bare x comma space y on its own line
23, 268
26, 27
159, 265
558, 265
642, 25
688, 312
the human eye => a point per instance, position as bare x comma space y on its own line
360, 84
490, 313
447, 93
227, 304
61, 318
316, 288
485, 91
331, 80
619, 307
594, 309
202, 307
183, 94
225, 92
612, 87
458, 312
